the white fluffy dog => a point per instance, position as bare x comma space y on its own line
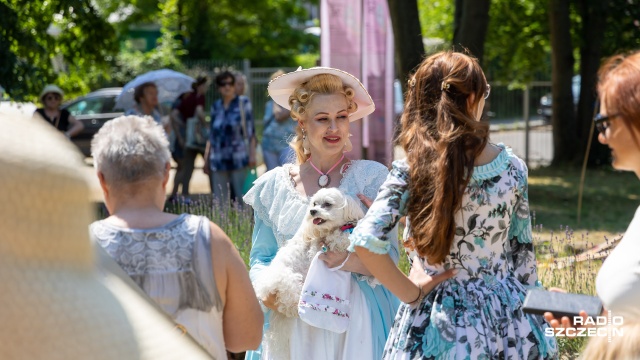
329, 210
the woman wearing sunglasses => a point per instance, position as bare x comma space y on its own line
51, 97
618, 123
231, 148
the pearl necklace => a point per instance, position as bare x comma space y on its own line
324, 180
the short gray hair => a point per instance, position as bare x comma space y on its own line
129, 149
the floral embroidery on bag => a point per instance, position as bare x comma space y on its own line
314, 293
325, 308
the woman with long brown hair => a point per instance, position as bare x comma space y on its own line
468, 228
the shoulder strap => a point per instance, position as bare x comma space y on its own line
242, 117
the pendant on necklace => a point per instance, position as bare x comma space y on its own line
324, 180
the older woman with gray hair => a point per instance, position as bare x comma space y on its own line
186, 263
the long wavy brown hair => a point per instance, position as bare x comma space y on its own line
442, 139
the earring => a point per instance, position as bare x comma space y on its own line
305, 143
348, 146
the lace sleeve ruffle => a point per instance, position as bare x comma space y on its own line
276, 204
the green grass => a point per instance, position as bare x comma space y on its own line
609, 201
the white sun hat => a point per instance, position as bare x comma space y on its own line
282, 87
51, 89
55, 302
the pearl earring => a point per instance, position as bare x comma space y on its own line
305, 143
348, 146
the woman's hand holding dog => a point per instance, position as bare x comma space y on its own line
334, 258
270, 302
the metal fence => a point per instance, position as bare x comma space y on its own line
513, 112
515, 121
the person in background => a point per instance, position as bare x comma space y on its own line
191, 106
618, 124
468, 233
186, 263
232, 142
279, 129
146, 98
51, 97
241, 82
178, 131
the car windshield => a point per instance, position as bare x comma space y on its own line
92, 105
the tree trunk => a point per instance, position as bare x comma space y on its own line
563, 119
407, 36
594, 14
471, 20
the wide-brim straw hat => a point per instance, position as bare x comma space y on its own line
283, 86
51, 89
55, 303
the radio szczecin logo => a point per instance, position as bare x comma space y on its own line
598, 326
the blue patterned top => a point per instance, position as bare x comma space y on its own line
276, 135
477, 313
227, 138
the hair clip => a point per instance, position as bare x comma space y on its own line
412, 82
445, 86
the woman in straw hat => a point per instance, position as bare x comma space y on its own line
468, 227
323, 102
51, 97
184, 262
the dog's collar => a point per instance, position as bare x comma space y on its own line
348, 227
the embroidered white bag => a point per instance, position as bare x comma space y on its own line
324, 300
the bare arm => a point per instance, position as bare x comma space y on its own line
242, 317
386, 271
76, 127
200, 113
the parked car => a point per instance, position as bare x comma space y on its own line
93, 110
546, 101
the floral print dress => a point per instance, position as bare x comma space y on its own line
477, 314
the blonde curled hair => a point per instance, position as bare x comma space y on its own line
324, 84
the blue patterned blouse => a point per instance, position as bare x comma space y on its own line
478, 313
228, 148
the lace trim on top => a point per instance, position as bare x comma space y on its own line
496, 166
171, 263
280, 206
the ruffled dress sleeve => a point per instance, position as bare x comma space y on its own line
520, 235
377, 231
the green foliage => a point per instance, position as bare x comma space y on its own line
436, 19
307, 60
86, 42
130, 63
518, 43
269, 33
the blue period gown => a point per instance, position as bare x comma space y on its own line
478, 313
279, 212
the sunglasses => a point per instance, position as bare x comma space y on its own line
52, 97
226, 83
487, 92
603, 122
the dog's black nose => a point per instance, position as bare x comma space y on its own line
313, 212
